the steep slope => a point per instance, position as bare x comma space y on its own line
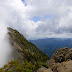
26, 57
26, 49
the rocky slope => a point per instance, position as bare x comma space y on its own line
25, 49
26, 57
61, 61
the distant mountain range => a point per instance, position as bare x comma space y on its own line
49, 45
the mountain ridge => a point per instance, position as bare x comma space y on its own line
26, 57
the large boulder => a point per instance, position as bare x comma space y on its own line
61, 51
61, 61
43, 69
60, 58
68, 56
59, 55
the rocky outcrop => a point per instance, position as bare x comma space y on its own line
43, 69
61, 61
60, 54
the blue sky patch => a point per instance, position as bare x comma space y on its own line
36, 18
24, 2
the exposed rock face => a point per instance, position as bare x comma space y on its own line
61, 55
61, 61
43, 69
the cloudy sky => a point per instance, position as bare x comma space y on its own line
37, 18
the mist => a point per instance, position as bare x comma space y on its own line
55, 21
5, 47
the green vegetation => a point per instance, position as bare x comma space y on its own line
15, 66
32, 57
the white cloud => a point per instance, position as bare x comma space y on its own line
14, 13
61, 22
